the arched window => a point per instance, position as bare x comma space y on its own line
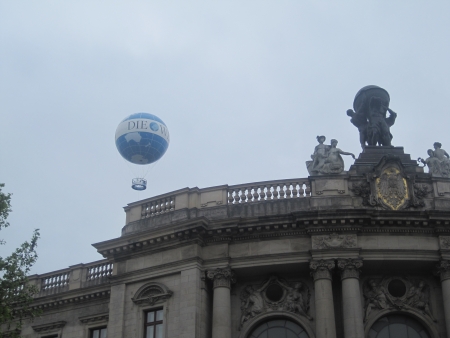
397, 326
279, 328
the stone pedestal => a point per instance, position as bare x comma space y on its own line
323, 291
444, 271
351, 297
372, 155
222, 280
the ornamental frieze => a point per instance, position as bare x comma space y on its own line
275, 294
397, 293
333, 241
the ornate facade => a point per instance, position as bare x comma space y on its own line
351, 254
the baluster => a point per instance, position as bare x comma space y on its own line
249, 194
282, 191
243, 196
275, 191
269, 192
308, 189
288, 190
262, 194
143, 211
230, 196
236, 196
255, 194
301, 190
163, 205
294, 190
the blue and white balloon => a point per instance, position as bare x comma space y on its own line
142, 138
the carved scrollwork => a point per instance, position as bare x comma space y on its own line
321, 269
350, 268
152, 293
396, 293
334, 240
275, 294
362, 189
222, 277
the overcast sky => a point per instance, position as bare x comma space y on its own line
243, 86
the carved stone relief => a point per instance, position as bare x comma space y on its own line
222, 277
444, 242
350, 268
396, 293
275, 294
333, 241
321, 269
443, 269
152, 293
389, 187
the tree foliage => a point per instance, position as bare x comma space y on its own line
16, 294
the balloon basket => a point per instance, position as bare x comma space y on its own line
139, 184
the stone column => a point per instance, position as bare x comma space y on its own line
444, 272
222, 279
351, 297
323, 291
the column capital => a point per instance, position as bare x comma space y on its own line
321, 269
350, 267
222, 277
443, 269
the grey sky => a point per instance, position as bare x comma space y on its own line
243, 86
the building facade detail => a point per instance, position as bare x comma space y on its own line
334, 241
275, 294
350, 268
229, 260
222, 277
397, 293
322, 269
152, 293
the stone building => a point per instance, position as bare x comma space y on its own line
357, 253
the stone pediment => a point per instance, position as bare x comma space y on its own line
152, 293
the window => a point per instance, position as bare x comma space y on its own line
99, 332
279, 328
397, 326
154, 324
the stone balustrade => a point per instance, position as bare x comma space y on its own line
220, 195
74, 277
271, 190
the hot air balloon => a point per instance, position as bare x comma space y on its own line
142, 139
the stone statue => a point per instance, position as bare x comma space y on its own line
418, 298
295, 300
376, 297
334, 164
252, 301
438, 161
326, 159
371, 105
319, 156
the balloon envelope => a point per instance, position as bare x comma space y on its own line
142, 138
